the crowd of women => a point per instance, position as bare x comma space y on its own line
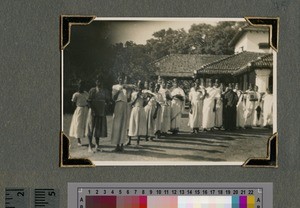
149, 110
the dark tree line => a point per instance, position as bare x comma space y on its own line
91, 52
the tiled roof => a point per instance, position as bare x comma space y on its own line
183, 65
237, 63
264, 62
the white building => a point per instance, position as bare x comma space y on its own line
252, 62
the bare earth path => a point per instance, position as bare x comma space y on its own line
215, 146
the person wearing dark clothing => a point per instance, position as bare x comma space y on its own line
230, 102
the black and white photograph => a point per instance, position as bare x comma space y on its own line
168, 91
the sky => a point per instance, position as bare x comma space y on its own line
141, 30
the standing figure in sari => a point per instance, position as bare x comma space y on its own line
119, 122
78, 123
196, 107
209, 105
97, 123
137, 121
177, 105
250, 99
150, 109
219, 105
240, 107
165, 107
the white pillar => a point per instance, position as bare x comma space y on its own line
262, 79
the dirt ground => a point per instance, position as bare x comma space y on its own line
214, 146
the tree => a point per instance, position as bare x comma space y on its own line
133, 61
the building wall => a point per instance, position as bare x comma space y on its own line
250, 40
241, 45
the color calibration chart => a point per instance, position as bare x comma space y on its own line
170, 195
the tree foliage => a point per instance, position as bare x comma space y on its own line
91, 52
95, 54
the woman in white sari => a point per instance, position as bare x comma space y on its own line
150, 111
165, 107
219, 105
196, 98
240, 120
209, 107
177, 104
250, 99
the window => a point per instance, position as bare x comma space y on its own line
264, 45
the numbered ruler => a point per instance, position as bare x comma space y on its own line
230, 195
17, 198
28, 198
48, 198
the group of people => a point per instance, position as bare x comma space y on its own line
228, 108
152, 109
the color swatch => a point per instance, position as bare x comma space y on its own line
170, 201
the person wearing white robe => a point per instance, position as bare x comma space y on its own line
196, 98
150, 111
240, 107
219, 106
119, 123
191, 91
177, 105
202, 89
208, 107
165, 107
137, 121
249, 112
268, 109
